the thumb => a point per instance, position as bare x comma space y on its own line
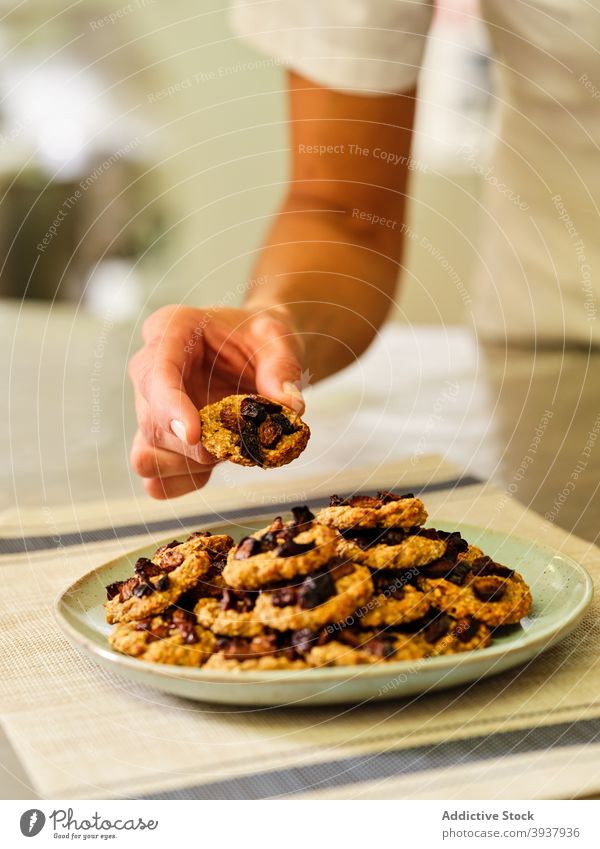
278, 371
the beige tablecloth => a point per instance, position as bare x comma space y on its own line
82, 732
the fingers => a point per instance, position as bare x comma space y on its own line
278, 371
158, 371
167, 474
162, 488
150, 461
155, 437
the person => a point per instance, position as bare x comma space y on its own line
326, 276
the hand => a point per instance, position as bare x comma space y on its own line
192, 357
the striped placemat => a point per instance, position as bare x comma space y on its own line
82, 732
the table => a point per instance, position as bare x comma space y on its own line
526, 419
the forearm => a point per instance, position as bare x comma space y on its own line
331, 259
333, 275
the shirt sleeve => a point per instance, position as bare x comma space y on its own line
368, 46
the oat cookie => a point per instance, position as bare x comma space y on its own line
264, 652
215, 545
253, 431
280, 552
389, 548
440, 634
230, 616
260, 664
386, 510
329, 595
368, 648
156, 585
393, 603
170, 637
488, 592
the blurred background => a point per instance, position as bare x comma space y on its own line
147, 147
142, 151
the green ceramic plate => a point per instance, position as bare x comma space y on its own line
562, 591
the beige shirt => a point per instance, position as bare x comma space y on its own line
539, 276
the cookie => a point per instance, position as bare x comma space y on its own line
280, 552
386, 510
253, 431
336, 653
215, 545
329, 595
171, 637
472, 553
231, 616
157, 583
212, 583
269, 651
373, 648
393, 603
270, 663
389, 548
488, 591
440, 634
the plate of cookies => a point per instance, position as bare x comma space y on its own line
356, 600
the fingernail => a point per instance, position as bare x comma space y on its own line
178, 428
297, 398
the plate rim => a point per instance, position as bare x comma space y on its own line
548, 636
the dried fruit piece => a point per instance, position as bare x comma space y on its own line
171, 560
250, 446
128, 588
465, 630
386, 497
112, 590
291, 549
341, 570
437, 628
169, 545
142, 589
459, 573
248, 547
237, 648
284, 597
350, 638
269, 433
146, 568
237, 600
159, 632
305, 639
162, 583
486, 566
185, 623
264, 644
380, 646
270, 406
315, 589
230, 419
284, 423
303, 519
252, 411
489, 588
277, 534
